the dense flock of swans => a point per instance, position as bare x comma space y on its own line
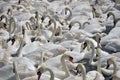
59, 40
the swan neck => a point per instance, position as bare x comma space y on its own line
5, 17
85, 24
6, 57
51, 73
54, 30
67, 73
99, 60
39, 29
20, 48
42, 56
115, 67
16, 73
12, 24
83, 71
37, 16
74, 22
116, 21
93, 51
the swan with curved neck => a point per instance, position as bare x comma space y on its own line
45, 16
74, 22
67, 73
10, 12
54, 30
28, 26
81, 67
44, 69
83, 26
109, 62
61, 59
115, 74
115, 20
2, 24
91, 75
89, 41
18, 52
34, 22
4, 17
70, 11
98, 38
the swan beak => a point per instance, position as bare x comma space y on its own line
108, 65
71, 59
39, 75
13, 41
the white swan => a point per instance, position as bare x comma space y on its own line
4, 17
95, 26
6, 72
20, 75
91, 75
115, 15
5, 59
111, 41
115, 72
43, 69
60, 60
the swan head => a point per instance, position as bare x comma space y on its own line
39, 72
36, 14
83, 46
109, 14
9, 11
109, 62
2, 16
42, 18
79, 68
3, 25
67, 57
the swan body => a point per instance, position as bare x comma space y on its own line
111, 41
